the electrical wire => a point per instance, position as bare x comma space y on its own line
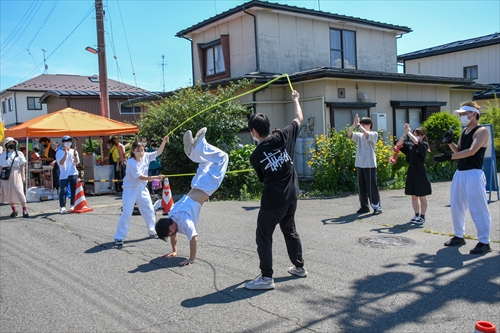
25, 27
44, 22
58, 46
126, 40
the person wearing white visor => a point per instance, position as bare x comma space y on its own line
468, 187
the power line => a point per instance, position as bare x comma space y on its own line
126, 40
25, 27
58, 46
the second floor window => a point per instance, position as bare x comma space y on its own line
470, 72
4, 106
34, 103
11, 104
214, 60
343, 49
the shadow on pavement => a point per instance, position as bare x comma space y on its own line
230, 294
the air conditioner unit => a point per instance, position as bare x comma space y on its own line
362, 97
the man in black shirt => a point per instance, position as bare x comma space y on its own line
272, 159
468, 187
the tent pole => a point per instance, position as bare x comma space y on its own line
26, 176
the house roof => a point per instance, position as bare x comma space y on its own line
491, 93
94, 94
335, 73
298, 11
453, 47
354, 74
46, 82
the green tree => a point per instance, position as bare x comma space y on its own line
223, 123
492, 116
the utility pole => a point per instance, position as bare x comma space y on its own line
103, 69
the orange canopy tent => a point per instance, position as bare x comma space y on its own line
70, 122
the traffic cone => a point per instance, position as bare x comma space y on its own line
80, 201
166, 198
485, 327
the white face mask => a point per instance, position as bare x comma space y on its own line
418, 137
465, 120
253, 137
67, 144
138, 154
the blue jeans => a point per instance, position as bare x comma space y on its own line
63, 184
153, 172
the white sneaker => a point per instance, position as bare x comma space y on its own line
63, 211
414, 218
72, 208
260, 284
188, 142
298, 271
199, 136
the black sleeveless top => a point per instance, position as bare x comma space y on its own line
472, 162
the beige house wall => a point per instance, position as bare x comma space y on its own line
452, 64
20, 107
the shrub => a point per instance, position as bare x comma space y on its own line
492, 116
223, 122
435, 126
332, 163
240, 185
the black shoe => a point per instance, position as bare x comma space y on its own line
377, 211
363, 210
13, 214
481, 248
25, 214
455, 241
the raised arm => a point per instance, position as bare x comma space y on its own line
162, 146
354, 124
298, 110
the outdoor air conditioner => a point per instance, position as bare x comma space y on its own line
362, 97
379, 121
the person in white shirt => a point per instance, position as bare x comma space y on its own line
366, 164
135, 190
67, 159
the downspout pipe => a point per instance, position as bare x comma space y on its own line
192, 60
257, 64
15, 107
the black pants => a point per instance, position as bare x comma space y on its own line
266, 223
367, 187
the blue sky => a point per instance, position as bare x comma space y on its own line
140, 32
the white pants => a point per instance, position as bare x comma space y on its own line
131, 195
211, 169
468, 190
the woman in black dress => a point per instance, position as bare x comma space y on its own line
415, 146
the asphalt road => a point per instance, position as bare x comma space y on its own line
63, 273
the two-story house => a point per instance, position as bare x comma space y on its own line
477, 59
49, 93
341, 66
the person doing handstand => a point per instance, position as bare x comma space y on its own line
184, 215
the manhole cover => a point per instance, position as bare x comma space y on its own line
386, 241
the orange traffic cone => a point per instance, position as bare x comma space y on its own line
166, 198
485, 327
80, 201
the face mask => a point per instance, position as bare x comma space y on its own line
154, 145
67, 144
109, 147
253, 137
138, 154
465, 120
45, 145
418, 137
10, 147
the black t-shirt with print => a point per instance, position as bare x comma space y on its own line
273, 162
